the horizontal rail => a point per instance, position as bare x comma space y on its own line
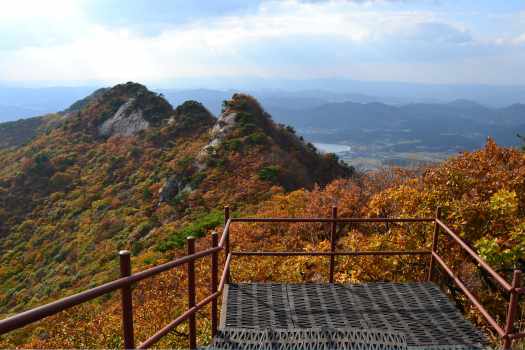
225, 272
170, 326
342, 220
41, 312
353, 253
38, 313
469, 295
506, 285
225, 233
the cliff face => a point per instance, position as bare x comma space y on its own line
124, 110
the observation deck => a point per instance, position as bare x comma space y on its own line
378, 315
264, 316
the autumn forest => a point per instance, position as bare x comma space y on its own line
123, 169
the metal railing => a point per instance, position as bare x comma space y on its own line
127, 279
507, 332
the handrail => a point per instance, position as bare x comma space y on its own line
506, 285
346, 253
507, 333
169, 327
192, 311
470, 296
225, 272
225, 233
321, 220
125, 282
24, 318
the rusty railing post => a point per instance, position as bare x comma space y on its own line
333, 240
512, 310
227, 241
214, 282
191, 294
127, 301
434, 244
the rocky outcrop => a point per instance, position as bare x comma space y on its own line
128, 120
244, 128
234, 110
173, 186
218, 133
124, 110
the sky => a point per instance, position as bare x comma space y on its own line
169, 42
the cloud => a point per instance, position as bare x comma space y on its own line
151, 18
288, 39
438, 32
25, 23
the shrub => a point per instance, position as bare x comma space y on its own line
185, 162
243, 118
146, 193
232, 145
257, 138
197, 179
136, 248
60, 181
198, 228
269, 173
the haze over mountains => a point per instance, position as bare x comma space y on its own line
379, 129
22, 102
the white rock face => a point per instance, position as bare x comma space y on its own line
125, 122
217, 133
223, 125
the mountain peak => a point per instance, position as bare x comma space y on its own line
243, 103
124, 109
192, 115
245, 130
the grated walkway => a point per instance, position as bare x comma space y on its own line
419, 313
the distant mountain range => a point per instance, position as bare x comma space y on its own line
455, 126
401, 126
394, 124
275, 98
19, 102
490, 95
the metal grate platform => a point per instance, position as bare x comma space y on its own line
308, 339
419, 312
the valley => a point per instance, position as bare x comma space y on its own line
365, 157
379, 131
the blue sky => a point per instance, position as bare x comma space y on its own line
80, 41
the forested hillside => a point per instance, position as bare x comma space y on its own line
126, 170
129, 171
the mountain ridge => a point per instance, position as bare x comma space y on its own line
73, 195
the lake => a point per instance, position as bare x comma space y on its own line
332, 147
